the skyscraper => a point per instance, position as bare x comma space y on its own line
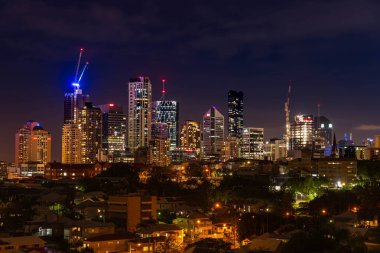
252, 143
73, 103
191, 136
139, 112
114, 129
71, 144
235, 113
302, 132
212, 136
166, 111
32, 144
90, 123
323, 131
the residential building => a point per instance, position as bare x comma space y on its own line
71, 143
235, 113
191, 136
139, 112
57, 171
90, 123
21, 244
132, 209
32, 144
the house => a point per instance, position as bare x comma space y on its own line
162, 230
195, 225
21, 244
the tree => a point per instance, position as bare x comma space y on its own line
170, 245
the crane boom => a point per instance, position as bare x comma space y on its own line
78, 64
82, 72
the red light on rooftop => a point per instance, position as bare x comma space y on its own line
81, 49
163, 80
111, 105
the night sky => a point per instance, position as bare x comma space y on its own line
331, 49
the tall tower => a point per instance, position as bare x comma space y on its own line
139, 112
302, 132
212, 137
32, 144
71, 144
71, 130
90, 124
167, 111
114, 128
191, 136
235, 113
252, 144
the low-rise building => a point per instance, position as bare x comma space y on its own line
169, 231
57, 171
196, 225
20, 243
339, 171
133, 209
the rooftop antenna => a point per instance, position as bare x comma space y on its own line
163, 89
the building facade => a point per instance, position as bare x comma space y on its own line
302, 132
235, 113
212, 135
32, 144
252, 143
114, 129
90, 123
191, 136
73, 102
139, 112
167, 111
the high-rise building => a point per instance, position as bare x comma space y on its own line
160, 130
302, 132
139, 112
252, 143
323, 132
191, 136
73, 103
235, 113
114, 129
159, 151
90, 123
32, 144
166, 111
212, 135
71, 144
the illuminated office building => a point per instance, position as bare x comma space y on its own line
252, 143
212, 135
166, 111
114, 129
235, 113
32, 144
302, 132
139, 112
323, 132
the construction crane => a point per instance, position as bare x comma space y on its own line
287, 117
77, 79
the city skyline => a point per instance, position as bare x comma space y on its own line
326, 61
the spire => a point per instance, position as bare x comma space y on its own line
334, 149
